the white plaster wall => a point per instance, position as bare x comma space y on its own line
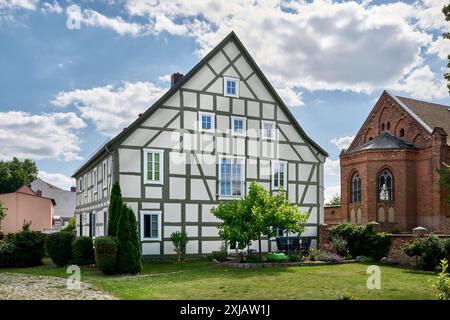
153, 192
177, 188
207, 216
200, 80
151, 248
130, 186
191, 212
139, 137
129, 160
160, 118
210, 246
172, 212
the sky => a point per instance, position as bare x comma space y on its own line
74, 73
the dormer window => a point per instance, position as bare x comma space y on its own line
231, 87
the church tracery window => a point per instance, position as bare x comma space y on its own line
356, 188
385, 186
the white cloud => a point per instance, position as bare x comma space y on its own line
323, 44
290, 97
44, 136
332, 168
430, 16
166, 78
342, 142
329, 192
18, 4
91, 17
440, 47
111, 108
58, 179
422, 83
54, 7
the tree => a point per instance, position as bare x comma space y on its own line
115, 207
179, 240
70, 227
259, 213
128, 249
335, 200
3, 213
446, 35
16, 173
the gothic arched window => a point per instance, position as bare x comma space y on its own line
356, 188
385, 186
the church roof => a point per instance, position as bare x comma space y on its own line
430, 115
384, 141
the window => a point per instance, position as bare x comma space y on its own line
385, 186
80, 185
153, 166
232, 177
105, 223
268, 130
231, 87
382, 127
94, 174
356, 188
92, 225
206, 121
85, 185
105, 175
151, 225
279, 175
238, 126
402, 132
388, 126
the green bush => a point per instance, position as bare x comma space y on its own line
222, 254
106, 254
179, 240
428, 251
313, 254
446, 245
252, 258
83, 251
29, 248
128, 249
70, 227
7, 250
363, 240
295, 257
442, 283
339, 246
59, 247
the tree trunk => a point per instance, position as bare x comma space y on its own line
260, 249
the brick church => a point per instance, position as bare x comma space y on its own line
389, 173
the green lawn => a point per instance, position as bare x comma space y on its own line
206, 280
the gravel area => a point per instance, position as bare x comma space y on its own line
15, 286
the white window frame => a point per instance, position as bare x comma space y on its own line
263, 131
95, 179
105, 174
244, 127
213, 121
85, 185
243, 176
161, 166
236, 80
274, 164
151, 212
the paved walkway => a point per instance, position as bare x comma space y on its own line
16, 286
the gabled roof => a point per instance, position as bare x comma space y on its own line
384, 141
433, 115
185, 79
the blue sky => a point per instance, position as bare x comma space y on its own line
73, 73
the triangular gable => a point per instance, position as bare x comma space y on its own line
232, 49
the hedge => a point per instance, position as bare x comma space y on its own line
59, 247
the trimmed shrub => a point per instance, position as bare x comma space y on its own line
446, 245
295, 257
29, 248
363, 240
59, 247
128, 249
7, 250
114, 209
179, 240
106, 254
252, 258
83, 251
428, 251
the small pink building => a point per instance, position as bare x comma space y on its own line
25, 204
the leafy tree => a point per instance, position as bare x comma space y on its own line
444, 181
442, 283
258, 214
115, 207
3, 213
128, 249
335, 200
70, 227
179, 240
446, 35
16, 173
